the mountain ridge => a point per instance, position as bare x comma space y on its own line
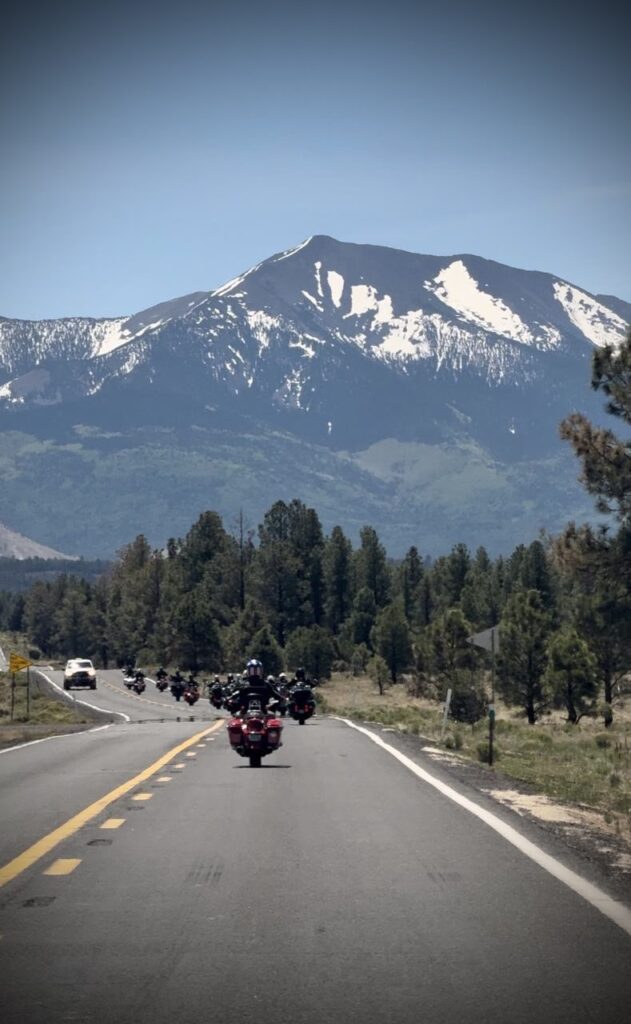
339, 346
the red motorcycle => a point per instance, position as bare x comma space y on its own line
256, 734
191, 696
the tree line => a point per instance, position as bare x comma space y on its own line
291, 595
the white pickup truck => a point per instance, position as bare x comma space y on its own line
79, 672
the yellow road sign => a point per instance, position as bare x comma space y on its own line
17, 663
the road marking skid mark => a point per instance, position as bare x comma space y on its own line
62, 866
193, 754
113, 823
142, 796
165, 778
181, 765
615, 911
43, 846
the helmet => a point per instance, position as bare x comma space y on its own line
230, 677
300, 674
271, 680
282, 677
254, 669
216, 679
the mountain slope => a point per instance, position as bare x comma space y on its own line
14, 545
333, 369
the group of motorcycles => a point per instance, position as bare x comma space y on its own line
296, 700
254, 730
181, 688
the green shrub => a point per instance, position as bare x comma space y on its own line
453, 741
482, 750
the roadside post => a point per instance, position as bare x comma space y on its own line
16, 664
489, 640
445, 715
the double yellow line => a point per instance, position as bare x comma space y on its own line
43, 846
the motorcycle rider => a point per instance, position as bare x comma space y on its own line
255, 686
301, 690
216, 689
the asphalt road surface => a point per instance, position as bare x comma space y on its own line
332, 884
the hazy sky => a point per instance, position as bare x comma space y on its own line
149, 150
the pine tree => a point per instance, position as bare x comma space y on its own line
266, 650
605, 458
571, 674
312, 649
363, 617
338, 589
412, 573
371, 568
524, 632
392, 639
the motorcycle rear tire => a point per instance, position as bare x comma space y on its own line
301, 719
255, 760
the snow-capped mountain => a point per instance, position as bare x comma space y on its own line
339, 345
14, 545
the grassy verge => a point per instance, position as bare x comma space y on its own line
582, 763
45, 715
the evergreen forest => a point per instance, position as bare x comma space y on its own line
286, 593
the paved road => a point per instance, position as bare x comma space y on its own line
112, 694
331, 884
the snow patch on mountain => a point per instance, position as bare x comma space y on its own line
311, 299
599, 324
336, 287
110, 335
456, 288
318, 275
292, 252
365, 299
262, 325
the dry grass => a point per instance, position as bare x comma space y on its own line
584, 763
45, 715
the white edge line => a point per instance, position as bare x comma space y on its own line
75, 700
613, 909
57, 736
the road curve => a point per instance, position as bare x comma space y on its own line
330, 884
113, 697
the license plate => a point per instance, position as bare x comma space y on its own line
255, 737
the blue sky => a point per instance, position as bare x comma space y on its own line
154, 150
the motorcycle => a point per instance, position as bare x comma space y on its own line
162, 684
138, 685
231, 703
301, 705
177, 688
191, 695
128, 679
255, 734
216, 699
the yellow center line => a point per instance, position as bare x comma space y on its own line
43, 846
62, 867
113, 823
